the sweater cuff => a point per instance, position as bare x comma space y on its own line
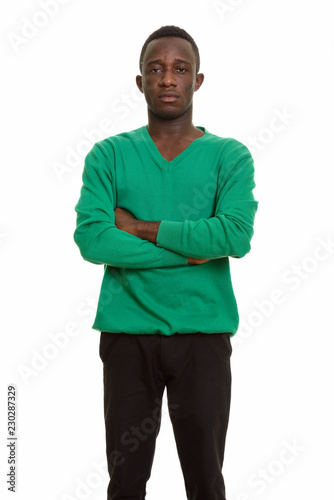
173, 259
169, 235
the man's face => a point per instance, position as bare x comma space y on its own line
169, 77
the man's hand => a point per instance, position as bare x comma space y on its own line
197, 261
146, 230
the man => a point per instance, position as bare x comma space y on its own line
163, 208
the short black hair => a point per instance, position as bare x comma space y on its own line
170, 31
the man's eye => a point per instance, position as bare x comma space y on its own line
181, 70
155, 70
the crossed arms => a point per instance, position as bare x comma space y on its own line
146, 230
112, 236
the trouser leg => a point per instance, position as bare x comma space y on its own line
133, 391
199, 393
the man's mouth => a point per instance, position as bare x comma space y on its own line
171, 97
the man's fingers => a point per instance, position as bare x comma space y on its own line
197, 261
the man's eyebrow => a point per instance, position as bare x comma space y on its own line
153, 62
156, 61
182, 61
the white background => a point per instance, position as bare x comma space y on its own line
261, 59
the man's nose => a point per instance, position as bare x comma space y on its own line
167, 79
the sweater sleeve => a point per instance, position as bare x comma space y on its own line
98, 238
230, 230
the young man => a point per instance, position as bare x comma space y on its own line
163, 208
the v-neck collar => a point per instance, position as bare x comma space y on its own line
157, 156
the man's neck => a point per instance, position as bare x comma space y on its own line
161, 129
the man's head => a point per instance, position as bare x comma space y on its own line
174, 31
169, 63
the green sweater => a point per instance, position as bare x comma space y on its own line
205, 201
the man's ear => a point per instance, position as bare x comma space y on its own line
139, 82
199, 81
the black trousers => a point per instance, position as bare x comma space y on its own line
195, 368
